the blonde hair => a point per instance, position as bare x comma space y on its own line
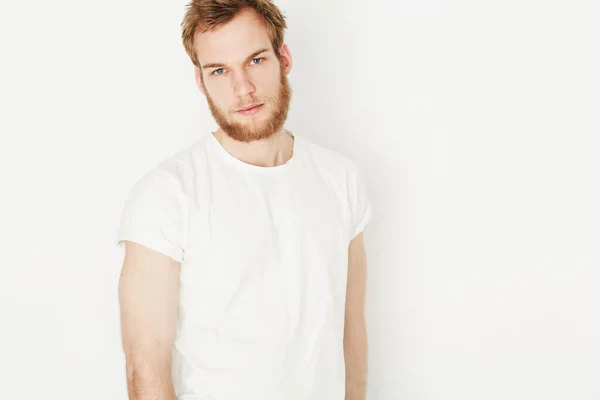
208, 15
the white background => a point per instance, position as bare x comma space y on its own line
476, 125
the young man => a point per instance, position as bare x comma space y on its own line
245, 267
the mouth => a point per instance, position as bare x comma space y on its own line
250, 109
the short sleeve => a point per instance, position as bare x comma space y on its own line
154, 214
360, 204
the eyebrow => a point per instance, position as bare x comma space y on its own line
250, 57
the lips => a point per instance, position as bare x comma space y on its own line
249, 107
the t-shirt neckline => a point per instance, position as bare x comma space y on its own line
278, 169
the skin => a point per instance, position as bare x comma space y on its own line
243, 77
148, 288
148, 285
355, 328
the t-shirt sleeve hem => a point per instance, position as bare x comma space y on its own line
363, 223
151, 243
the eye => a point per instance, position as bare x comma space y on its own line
260, 59
215, 72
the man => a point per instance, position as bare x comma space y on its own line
245, 267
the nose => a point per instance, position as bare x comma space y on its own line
242, 85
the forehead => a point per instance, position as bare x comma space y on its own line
233, 41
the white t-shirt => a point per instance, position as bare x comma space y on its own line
264, 261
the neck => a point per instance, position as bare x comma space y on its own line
275, 150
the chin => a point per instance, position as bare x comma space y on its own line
251, 120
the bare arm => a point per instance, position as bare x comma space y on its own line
355, 330
148, 288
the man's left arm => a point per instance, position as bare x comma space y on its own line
355, 330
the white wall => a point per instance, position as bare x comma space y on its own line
476, 126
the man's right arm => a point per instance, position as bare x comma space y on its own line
148, 293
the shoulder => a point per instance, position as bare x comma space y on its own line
177, 170
346, 179
328, 160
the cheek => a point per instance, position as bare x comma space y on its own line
267, 82
221, 99
217, 88
269, 93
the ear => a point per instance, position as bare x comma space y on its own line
198, 76
286, 57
